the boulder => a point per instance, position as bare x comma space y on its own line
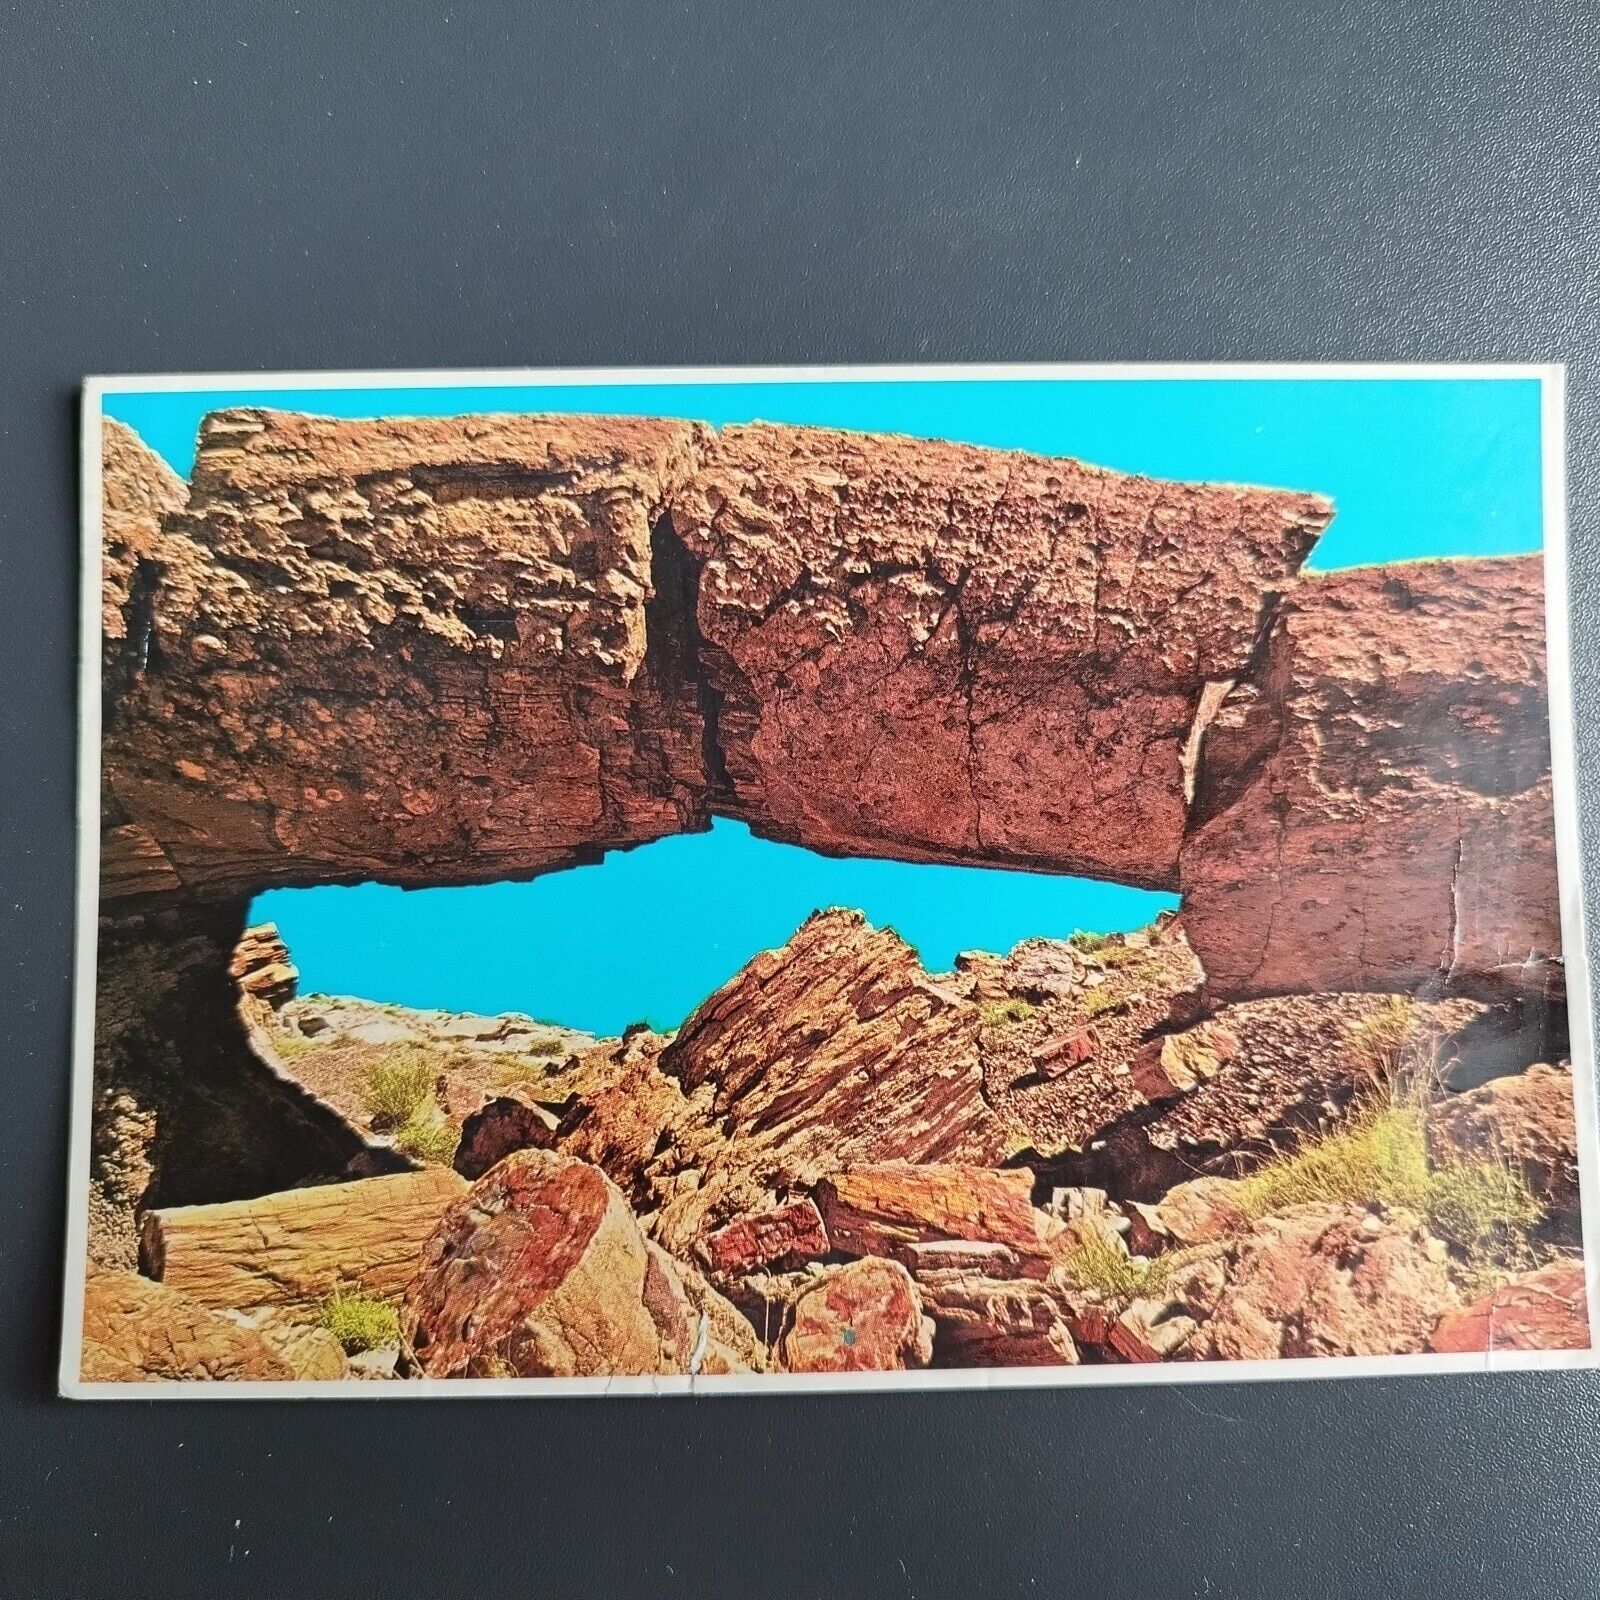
462, 612
1329, 1281
1161, 1325
985, 1321
933, 651
777, 1240
1543, 1310
295, 1248
862, 1317
1528, 1122
1198, 1212
883, 1208
1179, 1063
1373, 808
541, 1270
135, 1330
262, 968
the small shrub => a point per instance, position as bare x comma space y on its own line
428, 1135
397, 1084
1005, 1013
1097, 1002
1087, 942
358, 1321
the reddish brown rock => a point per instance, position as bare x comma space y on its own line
137, 490
1329, 1281
1198, 1212
1526, 1121
1294, 1065
1161, 1325
1374, 805
862, 1317
262, 968
135, 1330
881, 1209
542, 1271
1179, 1063
837, 1048
506, 1123
933, 651
778, 1240
421, 649
1543, 1310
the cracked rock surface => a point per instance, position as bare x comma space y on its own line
1374, 807
939, 652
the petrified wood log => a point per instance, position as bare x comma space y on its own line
417, 649
295, 1248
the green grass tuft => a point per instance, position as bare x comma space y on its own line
1383, 1042
1097, 1002
428, 1135
1005, 1013
294, 1046
1098, 1265
397, 1084
359, 1322
1088, 942
1380, 1156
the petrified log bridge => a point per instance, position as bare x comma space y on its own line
459, 649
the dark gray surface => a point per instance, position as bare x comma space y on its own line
283, 186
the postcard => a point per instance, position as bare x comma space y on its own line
776, 879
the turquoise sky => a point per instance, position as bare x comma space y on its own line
1416, 467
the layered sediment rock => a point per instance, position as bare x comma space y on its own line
1374, 804
890, 1208
836, 1048
914, 642
983, 1321
416, 649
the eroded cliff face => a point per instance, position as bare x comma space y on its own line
1374, 805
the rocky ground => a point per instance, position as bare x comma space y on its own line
845, 1162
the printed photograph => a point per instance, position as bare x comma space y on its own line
734, 881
